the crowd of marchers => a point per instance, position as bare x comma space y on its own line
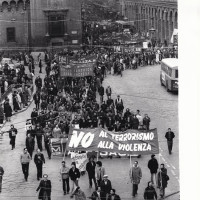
74, 103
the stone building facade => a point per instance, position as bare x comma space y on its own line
40, 23
158, 15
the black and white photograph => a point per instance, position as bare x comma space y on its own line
89, 100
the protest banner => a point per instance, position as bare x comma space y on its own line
129, 142
80, 160
58, 146
77, 70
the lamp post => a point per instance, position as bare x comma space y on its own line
152, 31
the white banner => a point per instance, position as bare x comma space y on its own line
80, 160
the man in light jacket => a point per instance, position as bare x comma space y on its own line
64, 171
135, 176
25, 159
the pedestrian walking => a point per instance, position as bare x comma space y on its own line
108, 91
64, 171
12, 135
113, 195
163, 179
36, 98
106, 185
1, 177
30, 143
153, 167
100, 172
101, 93
39, 133
74, 175
25, 159
79, 194
39, 161
169, 136
45, 188
90, 168
150, 192
135, 176
98, 194
40, 62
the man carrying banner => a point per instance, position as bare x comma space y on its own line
90, 168
64, 171
135, 176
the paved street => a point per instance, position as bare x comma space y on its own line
139, 89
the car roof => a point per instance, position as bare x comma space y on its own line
171, 62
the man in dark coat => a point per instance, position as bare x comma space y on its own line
12, 135
36, 98
30, 143
162, 180
146, 121
38, 83
39, 132
169, 136
90, 168
153, 167
45, 188
150, 192
7, 110
39, 161
101, 93
106, 185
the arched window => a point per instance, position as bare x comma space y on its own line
5, 6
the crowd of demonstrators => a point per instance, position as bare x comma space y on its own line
60, 105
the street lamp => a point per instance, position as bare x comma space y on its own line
152, 31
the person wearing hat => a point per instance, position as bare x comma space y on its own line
106, 185
153, 167
45, 188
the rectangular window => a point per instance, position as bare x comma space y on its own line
56, 25
11, 34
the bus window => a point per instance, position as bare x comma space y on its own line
176, 73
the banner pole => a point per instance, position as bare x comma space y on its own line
97, 155
130, 161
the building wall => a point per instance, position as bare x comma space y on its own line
30, 19
162, 15
14, 14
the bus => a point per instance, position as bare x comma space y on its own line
169, 74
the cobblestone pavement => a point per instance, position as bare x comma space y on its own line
139, 89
